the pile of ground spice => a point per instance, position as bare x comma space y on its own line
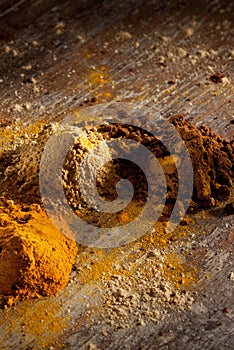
35, 257
212, 159
213, 162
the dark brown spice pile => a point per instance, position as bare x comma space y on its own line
212, 159
213, 162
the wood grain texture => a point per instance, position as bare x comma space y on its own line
137, 70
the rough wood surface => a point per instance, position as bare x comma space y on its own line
138, 69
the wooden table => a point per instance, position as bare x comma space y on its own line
60, 56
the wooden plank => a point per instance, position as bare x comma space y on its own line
157, 48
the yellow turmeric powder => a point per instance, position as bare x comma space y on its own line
35, 257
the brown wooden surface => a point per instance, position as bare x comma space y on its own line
137, 70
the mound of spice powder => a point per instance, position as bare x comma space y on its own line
35, 257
